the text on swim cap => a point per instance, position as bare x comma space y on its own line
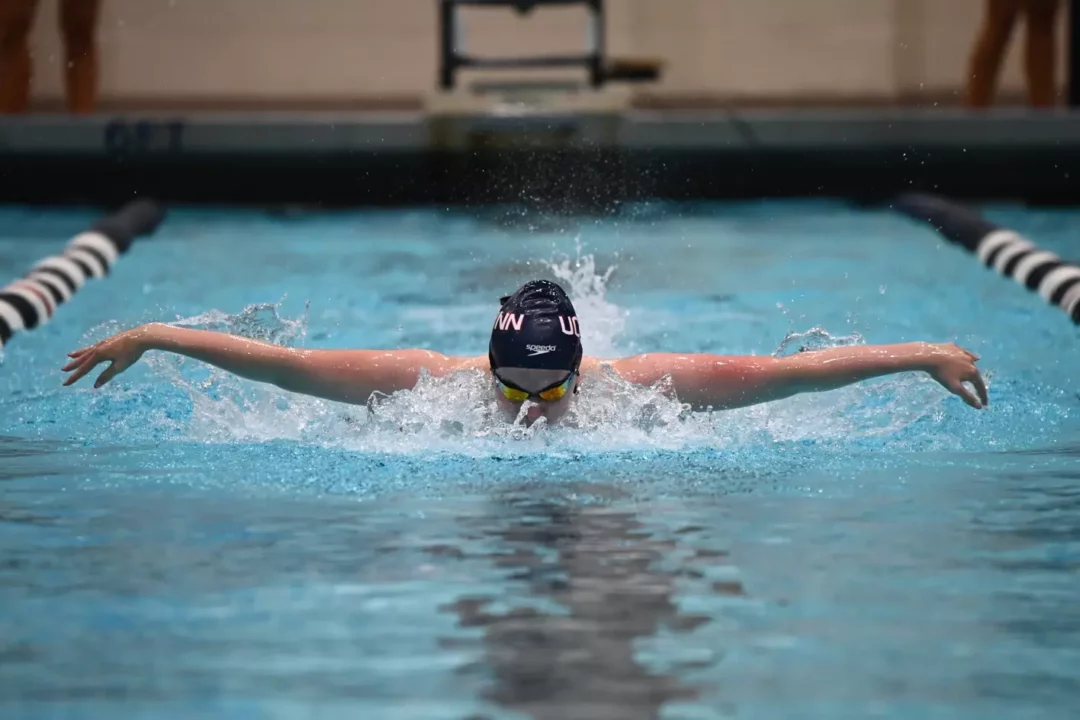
569, 325
506, 320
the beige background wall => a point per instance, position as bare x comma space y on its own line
341, 51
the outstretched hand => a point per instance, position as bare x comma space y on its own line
121, 350
952, 366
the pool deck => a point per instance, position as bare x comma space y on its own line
455, 155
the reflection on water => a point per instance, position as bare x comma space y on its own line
595, 582
1035, 533
948, 596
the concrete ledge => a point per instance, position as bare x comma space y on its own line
456, 156
342, 132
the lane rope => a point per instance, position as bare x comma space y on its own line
1003, 250
32, 300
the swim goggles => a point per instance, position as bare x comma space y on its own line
550, 394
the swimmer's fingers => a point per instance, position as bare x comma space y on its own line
114, 369
83, 365
77, 357
980, 387
960, 390
82, 351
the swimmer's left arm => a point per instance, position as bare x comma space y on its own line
724, 382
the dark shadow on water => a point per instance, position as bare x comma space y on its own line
592, 587
12, 446
23, 458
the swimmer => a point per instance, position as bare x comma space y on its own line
535, 354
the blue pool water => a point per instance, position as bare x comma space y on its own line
181, 544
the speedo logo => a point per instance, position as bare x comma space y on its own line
540, 349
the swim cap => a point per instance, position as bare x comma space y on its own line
536, 327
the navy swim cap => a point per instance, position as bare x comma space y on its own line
537, 327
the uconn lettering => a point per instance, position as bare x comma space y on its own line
569, 325
507, 320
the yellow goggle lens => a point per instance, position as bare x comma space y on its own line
550, 395
513, 394
557, 392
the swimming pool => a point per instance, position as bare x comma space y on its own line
182, 544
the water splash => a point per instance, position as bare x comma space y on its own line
458, 414
261, 321
816, 338
604, 321
225, 408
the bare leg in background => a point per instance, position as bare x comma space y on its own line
78, 23
985, 63
16, 19
1040, 52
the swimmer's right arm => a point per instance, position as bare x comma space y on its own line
349, 376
